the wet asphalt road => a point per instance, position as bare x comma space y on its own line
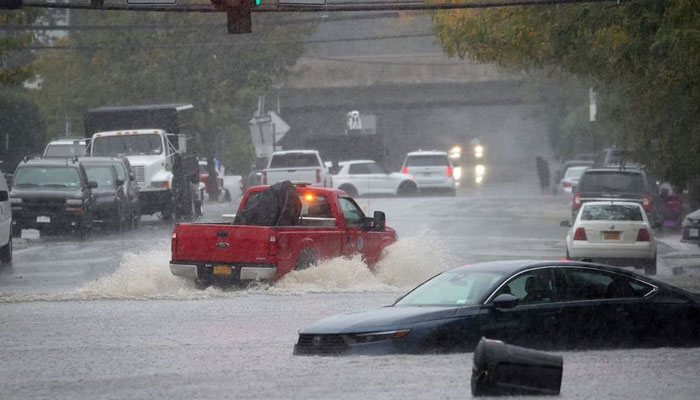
105, 319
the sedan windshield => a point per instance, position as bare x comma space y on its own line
41, 177
453, 288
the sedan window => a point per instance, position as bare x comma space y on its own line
536, 286
612, 212
356, 169
452, 288
592, 284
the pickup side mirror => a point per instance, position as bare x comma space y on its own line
132, 177
565, 223
120, 182
379, 221
505, 301
4, 195
92, 185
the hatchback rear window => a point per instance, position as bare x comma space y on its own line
294, 160
612, 182
611, 212
427, 161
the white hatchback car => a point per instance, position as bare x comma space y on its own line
431, 169
610, 232
362, 177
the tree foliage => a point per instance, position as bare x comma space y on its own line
189, 59
16, 65
643, 58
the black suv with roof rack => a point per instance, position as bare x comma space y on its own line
51, 194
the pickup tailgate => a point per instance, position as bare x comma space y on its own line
299, 174
220, 243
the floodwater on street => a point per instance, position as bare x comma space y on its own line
106, 319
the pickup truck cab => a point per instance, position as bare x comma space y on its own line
331, 224
297, 166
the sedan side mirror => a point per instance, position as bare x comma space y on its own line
565, 223
92, 185
505, 301
379, 221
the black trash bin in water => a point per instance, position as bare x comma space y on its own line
503, 369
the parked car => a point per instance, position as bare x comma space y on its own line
5, 223
52, 194
691, 228
257, 246
559, 175
297, 166
112, 203
363, 177
620, 185
432, 171
538, 304
74, 147
570, 178
612, 232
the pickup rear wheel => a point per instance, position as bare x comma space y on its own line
350, 189
306, 258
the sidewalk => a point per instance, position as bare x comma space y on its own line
682, 257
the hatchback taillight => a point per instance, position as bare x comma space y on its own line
318, 176
580, 234
646, 203
449, 171
643, 235
405, 170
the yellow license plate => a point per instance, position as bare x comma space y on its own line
222, 270
611, 235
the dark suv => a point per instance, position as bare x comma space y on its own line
51, 194
598, 184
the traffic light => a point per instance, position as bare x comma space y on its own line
17, 4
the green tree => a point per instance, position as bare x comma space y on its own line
191, 59
21, 128
643, 58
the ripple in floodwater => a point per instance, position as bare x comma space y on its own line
146, 275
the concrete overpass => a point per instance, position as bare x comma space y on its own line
394, 68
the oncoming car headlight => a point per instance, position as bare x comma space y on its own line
377, 336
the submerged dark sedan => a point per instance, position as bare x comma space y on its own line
539, 304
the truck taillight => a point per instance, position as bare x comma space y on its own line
580, 234
449, 171
643, 235
272, 248
646, 203
566, 184
264, 178
318, 176
577, 201
405, 170
173, 243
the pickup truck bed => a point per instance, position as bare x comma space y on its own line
228, 252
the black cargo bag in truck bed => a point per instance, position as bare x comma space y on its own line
278, 205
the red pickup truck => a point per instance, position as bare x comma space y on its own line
331, 224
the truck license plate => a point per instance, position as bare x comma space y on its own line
222, 270
693, 232
43, 219
611, 235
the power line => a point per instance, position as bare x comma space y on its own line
359, 6
99, 46
315, 19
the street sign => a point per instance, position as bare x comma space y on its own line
151, 2
261, 119
301, 2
